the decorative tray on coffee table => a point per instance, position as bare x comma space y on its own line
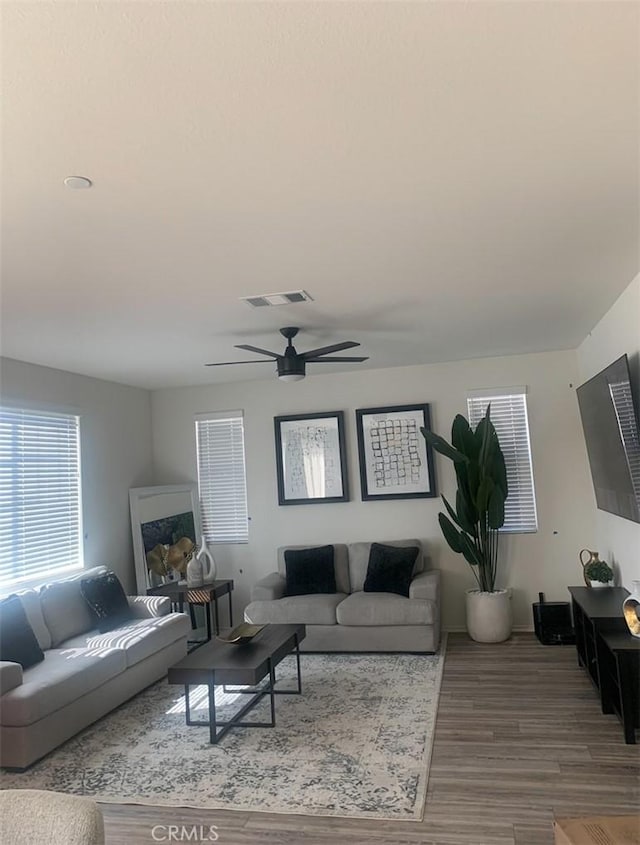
243, 633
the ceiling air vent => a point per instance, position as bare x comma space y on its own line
289, 298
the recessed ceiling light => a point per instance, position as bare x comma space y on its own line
78, 182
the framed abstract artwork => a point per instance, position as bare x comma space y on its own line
311, 462
395, 461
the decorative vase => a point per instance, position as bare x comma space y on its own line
599, 583
207, 563
630, 609
489, 616
594, 557
194, 572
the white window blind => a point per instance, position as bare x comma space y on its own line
509, 417
625, 414
40, 500
221, 477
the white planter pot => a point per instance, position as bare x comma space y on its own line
489, 616
599, 583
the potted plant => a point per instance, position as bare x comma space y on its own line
472, 527
598, 573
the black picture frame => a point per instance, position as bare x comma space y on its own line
301, 440
395, 460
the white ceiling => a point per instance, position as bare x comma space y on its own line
447, 180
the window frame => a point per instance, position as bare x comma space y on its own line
50, 574
490, 395
241, 538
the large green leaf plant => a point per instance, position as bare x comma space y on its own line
471, 528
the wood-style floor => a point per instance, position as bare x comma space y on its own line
519, 739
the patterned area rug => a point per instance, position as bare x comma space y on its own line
356, 743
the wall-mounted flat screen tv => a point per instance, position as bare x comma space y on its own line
610, 423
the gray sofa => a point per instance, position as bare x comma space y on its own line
84, 674
350, 619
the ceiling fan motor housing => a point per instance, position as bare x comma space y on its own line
291, 365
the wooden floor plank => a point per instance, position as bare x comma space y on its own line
519, 738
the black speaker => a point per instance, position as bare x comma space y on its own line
552, 622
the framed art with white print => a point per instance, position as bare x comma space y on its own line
311, 462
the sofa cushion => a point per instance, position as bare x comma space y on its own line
359, 560
137, 639
304, 610
340, 564
18, 643
310, 571
390, 569
107, 600
31, 602
64, 608
63, 676
384, 609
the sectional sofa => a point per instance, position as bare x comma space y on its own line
352, 619
84, 674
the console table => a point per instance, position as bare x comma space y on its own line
608, 652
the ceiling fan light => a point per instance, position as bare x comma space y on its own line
290, 367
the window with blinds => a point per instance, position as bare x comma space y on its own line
222, 478
509, 416
40, 496
625, 414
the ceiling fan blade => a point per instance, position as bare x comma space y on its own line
258, 350
333, 358
228, 363
325, 350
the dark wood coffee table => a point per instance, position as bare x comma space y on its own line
225, 664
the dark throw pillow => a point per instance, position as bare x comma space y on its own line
18, 643
310, 571
106, 598
390, 569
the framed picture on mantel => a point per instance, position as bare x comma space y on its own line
395, 461
311, 463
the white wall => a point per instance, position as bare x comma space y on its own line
618, 539
116, 451
544, 561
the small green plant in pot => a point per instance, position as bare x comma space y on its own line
471, 528
598, 573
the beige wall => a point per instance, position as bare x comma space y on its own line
618, 332
544, 561
116, 450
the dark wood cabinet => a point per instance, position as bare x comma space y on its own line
608, 652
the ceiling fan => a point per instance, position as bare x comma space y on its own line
291, 364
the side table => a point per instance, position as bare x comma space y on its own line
206, 596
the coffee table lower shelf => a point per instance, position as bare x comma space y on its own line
224, 664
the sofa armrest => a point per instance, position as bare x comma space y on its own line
426, 585
10, 676
147, 607
271, 587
